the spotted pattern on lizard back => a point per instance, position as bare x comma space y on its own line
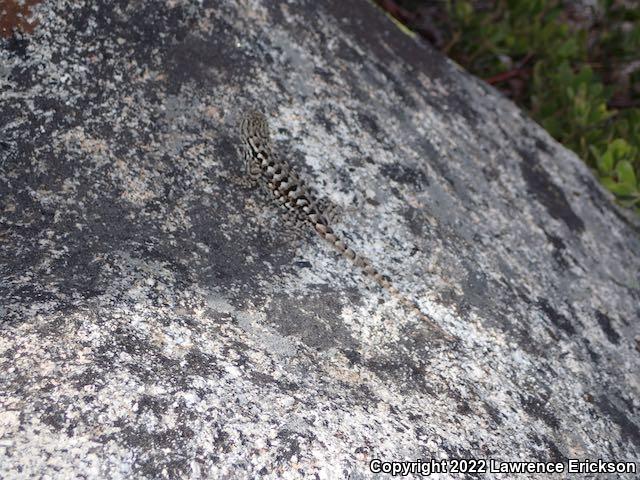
263, 164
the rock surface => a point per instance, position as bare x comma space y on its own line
160, 321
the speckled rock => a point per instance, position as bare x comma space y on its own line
160, 321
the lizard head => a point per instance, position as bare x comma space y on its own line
255, 129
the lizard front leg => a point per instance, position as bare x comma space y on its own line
250, 176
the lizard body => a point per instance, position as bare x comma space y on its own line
290, 191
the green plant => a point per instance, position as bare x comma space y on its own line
617, 171
578, 80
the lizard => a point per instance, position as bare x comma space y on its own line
262, 163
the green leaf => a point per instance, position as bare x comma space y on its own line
625, 173
606, 162
620, 149
619, 189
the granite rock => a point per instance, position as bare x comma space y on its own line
157, 320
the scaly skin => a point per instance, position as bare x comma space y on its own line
262, 163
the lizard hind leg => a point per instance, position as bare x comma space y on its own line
295, 227
335, 212
329, 209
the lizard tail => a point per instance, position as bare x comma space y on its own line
367, 268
